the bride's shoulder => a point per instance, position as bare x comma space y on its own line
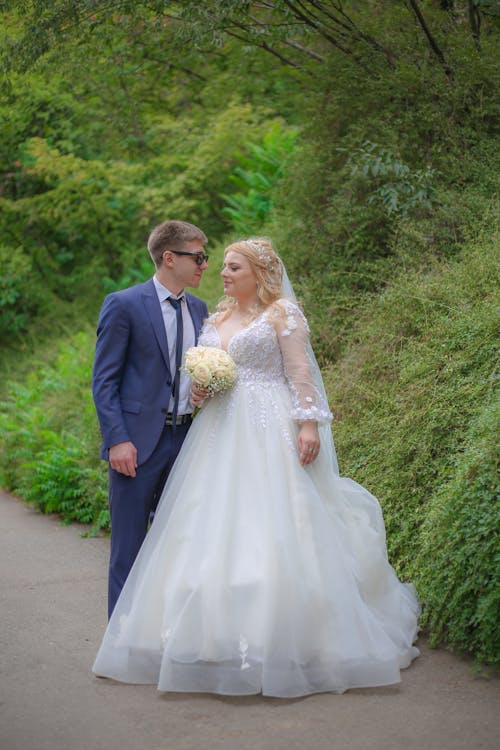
284, 306
287, 315
212, 319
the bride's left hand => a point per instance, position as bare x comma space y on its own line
198, 395
308, 442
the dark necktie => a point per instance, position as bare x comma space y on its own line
176, 304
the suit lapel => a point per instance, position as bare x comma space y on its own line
153, 309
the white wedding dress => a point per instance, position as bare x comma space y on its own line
259, 575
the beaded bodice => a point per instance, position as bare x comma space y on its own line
271, 352
254, 349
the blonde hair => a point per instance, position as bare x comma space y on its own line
267, 267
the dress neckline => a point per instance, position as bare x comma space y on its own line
235, 335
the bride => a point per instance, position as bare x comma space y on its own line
264, 571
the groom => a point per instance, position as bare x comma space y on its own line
141, 397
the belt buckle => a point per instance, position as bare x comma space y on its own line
180, 419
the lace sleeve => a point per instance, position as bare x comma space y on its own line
293, 336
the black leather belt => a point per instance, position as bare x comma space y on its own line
181, 419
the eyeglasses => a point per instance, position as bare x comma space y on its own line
199, 258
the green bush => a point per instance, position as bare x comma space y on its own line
410, 396
396, 187
18, 302
260, 166
49, 438
459, 560
60, 482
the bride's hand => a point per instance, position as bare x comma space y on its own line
308, 442
198, 395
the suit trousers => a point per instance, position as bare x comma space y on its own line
132, 501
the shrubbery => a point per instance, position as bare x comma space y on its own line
458, 565
18, 304
414, 401
49, 438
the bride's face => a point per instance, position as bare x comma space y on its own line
239, 278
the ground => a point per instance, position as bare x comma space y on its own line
53, 614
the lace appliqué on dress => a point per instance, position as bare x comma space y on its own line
243, 649
270, 353
308, 403
291, 324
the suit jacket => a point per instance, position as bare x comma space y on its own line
131, 381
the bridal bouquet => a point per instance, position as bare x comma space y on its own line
210, 368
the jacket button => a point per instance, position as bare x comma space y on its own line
164, 411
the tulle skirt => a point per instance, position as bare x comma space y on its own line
259, 575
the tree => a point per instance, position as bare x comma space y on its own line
297, 33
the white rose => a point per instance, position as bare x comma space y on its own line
202, 374
191, 357
211, 359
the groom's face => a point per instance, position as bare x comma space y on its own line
185, 268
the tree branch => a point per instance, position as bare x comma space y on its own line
475, 24
345, 28
321, 31
267, 48
432, 42
289, 42
305, 50
172, 66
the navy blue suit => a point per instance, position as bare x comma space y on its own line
132, 385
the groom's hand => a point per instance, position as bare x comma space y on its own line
123, 458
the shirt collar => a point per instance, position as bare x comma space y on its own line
163, 292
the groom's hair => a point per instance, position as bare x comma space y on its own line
171, 235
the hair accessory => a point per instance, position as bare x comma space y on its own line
263, 253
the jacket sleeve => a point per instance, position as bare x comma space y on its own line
113, 330
293, 336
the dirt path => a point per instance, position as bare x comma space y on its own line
52, 616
